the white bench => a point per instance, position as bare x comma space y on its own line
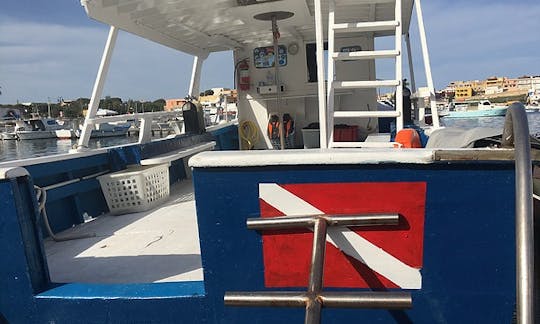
175, 155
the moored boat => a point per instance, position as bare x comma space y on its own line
484, 109
397, 228
37, 128
6, 136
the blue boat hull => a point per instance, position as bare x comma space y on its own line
468, 258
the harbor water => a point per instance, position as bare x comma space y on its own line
17, 150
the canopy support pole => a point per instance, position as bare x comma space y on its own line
98, 89
427, 64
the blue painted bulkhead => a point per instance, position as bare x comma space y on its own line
469, 259
468, 270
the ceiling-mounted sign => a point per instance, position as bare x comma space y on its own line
264, 56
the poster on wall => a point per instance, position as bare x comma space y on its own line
264, 56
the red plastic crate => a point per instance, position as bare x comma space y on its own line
345, 133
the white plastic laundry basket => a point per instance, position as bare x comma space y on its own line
135, 189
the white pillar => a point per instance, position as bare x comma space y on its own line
194, 85
145, 130
399, 65
98, 89
330, 69
411, 67
320, 74
417, 117
427, 63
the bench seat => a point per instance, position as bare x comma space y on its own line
172, 156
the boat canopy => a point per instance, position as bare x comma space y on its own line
204, 26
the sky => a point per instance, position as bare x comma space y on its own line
51, 49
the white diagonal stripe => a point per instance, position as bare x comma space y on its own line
343, 238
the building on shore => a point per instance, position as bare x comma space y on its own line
492, 86
217, 96
213, 98
174, 104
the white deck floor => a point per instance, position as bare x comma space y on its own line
160, 245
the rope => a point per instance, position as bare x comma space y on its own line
249, 132
41, 196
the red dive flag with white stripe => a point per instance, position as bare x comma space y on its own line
366, 257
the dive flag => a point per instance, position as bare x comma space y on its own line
361, 257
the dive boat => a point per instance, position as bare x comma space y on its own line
420, 224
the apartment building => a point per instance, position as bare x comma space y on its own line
492, 85
174, 104
463, 92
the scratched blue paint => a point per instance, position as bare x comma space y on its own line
468, 273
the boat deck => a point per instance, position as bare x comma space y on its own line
160, 245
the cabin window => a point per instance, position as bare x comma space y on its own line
311, 60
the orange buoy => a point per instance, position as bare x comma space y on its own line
408, 138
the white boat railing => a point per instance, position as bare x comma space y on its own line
145, 128
145, 132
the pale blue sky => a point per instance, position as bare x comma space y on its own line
52, 49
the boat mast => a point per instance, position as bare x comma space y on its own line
48, 107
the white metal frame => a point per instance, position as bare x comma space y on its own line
427, 63
98, 89
319, 35
399, 66
145, 118
327, 118
194, 85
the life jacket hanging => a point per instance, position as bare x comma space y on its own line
288, 124
273, 127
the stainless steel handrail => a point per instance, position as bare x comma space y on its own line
516, 131
315, 298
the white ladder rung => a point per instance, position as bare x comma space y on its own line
364, 144
361, 2
365, 55
365, 84
370, 26
366, 114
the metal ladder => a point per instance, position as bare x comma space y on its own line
334, 82
314, 299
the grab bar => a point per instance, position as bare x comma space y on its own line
516, 131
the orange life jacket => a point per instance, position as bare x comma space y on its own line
273, 127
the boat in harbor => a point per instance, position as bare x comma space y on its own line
7, 130
237, 223
37, 128
484, 109
8, 135
114, 129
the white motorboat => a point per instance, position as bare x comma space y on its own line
37, 128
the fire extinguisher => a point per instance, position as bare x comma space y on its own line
243, 75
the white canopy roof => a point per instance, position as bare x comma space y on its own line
198, 27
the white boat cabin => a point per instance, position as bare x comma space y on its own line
333, 38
